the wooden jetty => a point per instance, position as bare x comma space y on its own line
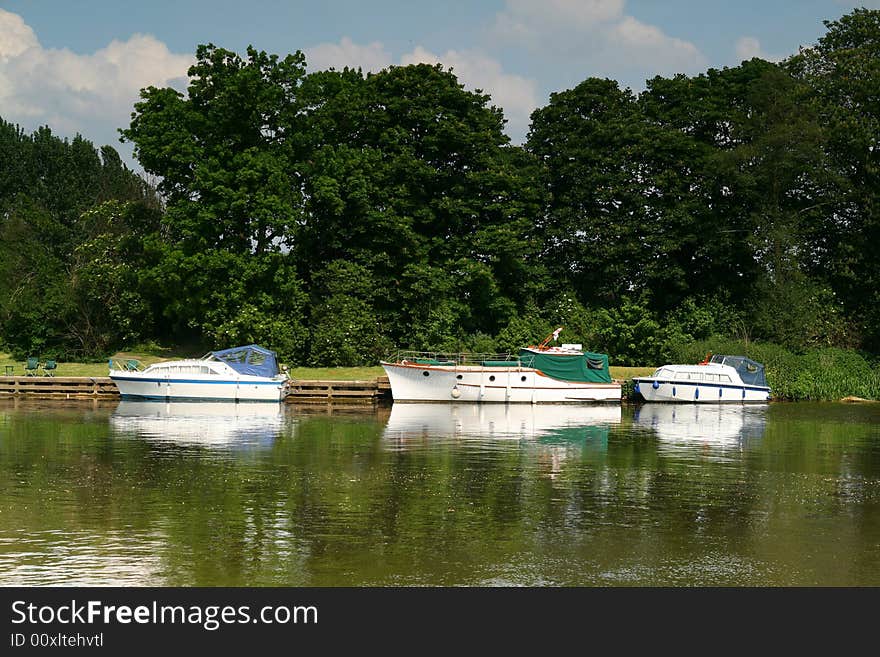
58, 387
88, 387
323, 392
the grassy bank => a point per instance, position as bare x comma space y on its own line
304, 373
819, 375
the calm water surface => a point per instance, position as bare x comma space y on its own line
155, 494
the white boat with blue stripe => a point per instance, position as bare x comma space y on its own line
248, 373
718, 379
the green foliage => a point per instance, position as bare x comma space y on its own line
240, 299
68, 285
630, 334
226, 165
524, 330
334, 215
798, 314
842, 73
345, 330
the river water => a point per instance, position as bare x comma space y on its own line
155, 494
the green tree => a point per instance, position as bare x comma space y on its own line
412, 178
110, 306
225, 152
52, 288
345, 329
843, 71
589, 139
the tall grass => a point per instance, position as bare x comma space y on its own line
825, 374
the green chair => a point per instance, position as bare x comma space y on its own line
49, 368
31, 366
132, 365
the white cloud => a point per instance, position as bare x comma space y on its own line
371, 57
15, 35
516, 94
647, 44
593, 37
748, 47
529, 20
90, 94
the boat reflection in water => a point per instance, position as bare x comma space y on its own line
206, 424
498, 421
721, 426
552, 433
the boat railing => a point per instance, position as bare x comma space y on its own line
127, 365
449, 358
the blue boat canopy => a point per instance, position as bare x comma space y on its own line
250, 359
751, 372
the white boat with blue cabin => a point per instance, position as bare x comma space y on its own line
247, 373
718, 379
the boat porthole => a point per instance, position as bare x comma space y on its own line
459, 377
720, 392
522, 378
744, 393
673, 392
426, 374
697, 393
492, 378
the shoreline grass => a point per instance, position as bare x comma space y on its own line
823, 375
366, 373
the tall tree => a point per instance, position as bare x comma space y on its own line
228, 161
589, 139
843, 70
413, 178
48, 187
224, 151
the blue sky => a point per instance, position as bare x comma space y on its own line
77, 66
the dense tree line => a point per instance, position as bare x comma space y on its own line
337, 215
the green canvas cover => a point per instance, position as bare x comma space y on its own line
583, 368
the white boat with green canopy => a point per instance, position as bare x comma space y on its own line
537, 374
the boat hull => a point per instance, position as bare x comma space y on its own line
423, 383
132, 386
656, 390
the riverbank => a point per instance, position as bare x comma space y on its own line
350, 385
304, 373
823, 375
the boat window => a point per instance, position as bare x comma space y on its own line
682, 376
657, 372
724, 378
710, 377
